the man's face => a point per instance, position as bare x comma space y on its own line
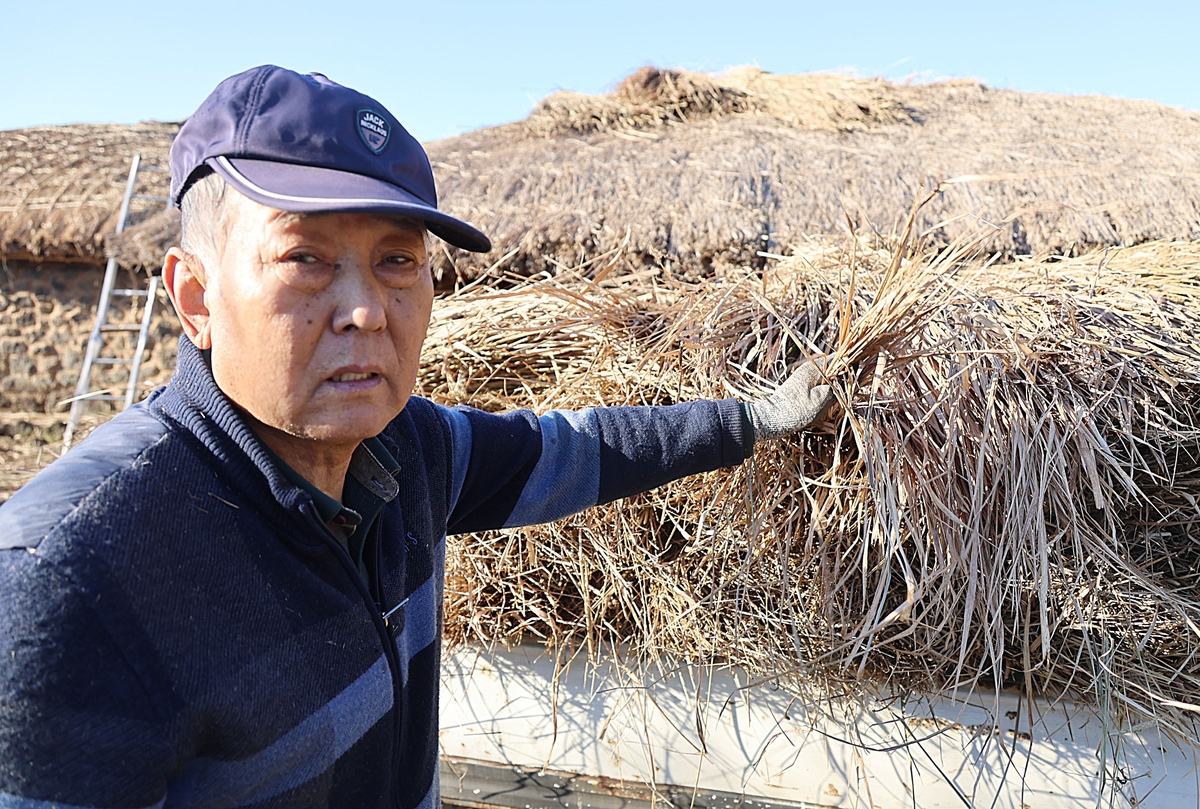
317, 320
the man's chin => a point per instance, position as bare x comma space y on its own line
349, 426
339, 434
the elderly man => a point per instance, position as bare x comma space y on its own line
230, 594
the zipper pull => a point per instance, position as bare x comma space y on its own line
392, 611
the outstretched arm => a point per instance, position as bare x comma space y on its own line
518, 469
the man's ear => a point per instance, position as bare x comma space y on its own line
186, 281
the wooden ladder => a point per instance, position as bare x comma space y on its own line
94, 355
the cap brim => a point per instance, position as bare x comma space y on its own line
311, 189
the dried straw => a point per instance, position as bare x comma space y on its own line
650, 98
698, 170
645, 99
1006, 497
61, 186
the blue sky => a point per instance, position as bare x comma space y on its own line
447, 67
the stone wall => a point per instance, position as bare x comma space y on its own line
46, 315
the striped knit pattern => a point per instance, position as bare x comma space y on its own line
180, 629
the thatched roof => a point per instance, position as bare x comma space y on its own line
698, 170
61, 186
145, 244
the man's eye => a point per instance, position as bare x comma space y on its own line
398, 270
307, 272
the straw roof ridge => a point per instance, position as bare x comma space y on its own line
652, 97
648, 98
61, 186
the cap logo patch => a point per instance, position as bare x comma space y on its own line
374, 129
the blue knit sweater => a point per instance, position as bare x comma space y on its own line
179, 628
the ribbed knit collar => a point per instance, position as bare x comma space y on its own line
193, 400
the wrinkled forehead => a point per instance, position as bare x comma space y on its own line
397, 223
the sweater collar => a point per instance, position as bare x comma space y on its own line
193, 400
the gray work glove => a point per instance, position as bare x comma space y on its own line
804, 398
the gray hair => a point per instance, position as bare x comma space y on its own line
203, 223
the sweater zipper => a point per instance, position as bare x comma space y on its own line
389, 648
386, 615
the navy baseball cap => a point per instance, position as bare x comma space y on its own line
307, 144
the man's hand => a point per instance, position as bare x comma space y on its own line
804, 398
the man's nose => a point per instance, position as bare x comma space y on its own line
362, 300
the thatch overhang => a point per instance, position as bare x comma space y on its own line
61, 186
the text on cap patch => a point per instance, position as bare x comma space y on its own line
374, 129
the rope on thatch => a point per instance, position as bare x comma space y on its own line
1006, 496
61, 186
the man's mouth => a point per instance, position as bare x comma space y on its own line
351, 377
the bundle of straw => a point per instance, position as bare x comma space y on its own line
1008, 494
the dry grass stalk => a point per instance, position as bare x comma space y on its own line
1007, 498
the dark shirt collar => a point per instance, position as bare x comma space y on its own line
370, 485
371, 480
330, 510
